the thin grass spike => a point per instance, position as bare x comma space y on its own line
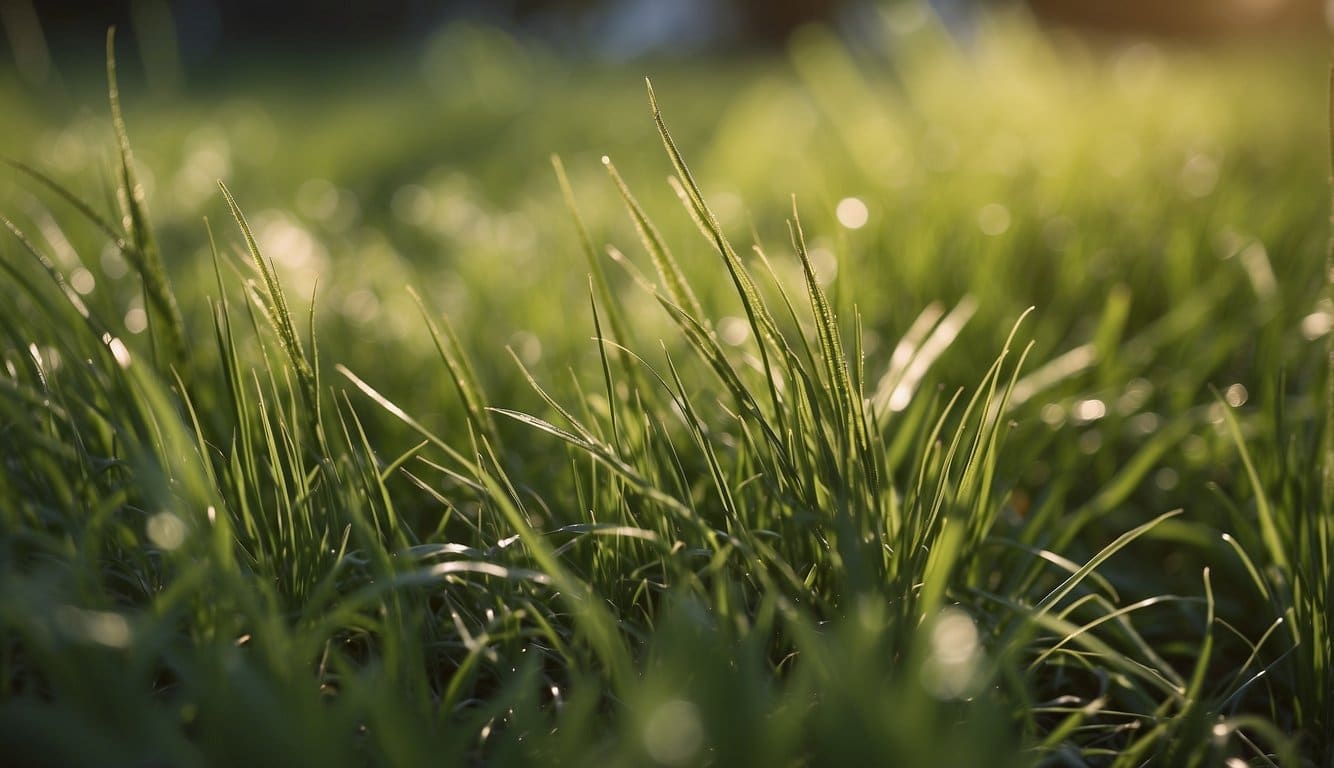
144, 255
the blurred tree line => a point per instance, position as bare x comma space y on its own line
208, 26
193, 32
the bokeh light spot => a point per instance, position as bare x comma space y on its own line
950, 671
852, 213
674, 734
166, 530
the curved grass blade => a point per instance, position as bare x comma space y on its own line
144, 255
460, 368
1264, 513
668, 269
1066, 587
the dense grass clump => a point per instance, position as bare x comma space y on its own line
1000, 443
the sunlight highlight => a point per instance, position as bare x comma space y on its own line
166, 530
674, 733
852, 213
950, 671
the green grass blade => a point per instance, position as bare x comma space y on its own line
663, 261
277, 312
1046, 604
145, 255
1264, 513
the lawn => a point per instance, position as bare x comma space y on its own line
915, 402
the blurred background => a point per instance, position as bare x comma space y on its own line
185, 36
1150, 175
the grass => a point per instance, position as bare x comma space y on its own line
750, 486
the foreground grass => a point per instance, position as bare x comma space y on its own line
820, 500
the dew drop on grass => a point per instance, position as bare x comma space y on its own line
82, 281
1166, 478
673, 734
1053, 415
852, 213
36, 354
118, 350
47, 359
145, 187
825, 264
1236, 395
